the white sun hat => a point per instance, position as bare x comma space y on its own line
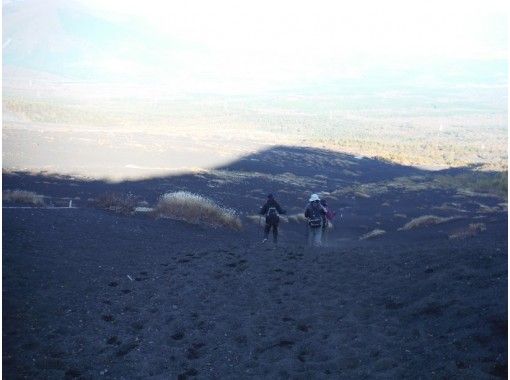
314, 197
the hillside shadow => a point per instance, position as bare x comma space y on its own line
277, 169
173, 285
265, 165
367, 193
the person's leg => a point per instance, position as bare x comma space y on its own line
317, 237
312, 236
267, 227
275, 232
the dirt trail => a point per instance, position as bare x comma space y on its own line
89, 293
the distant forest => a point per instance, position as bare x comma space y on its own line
422, 136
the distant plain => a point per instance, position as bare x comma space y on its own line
131, 137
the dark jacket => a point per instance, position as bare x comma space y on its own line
271, 203
314, 208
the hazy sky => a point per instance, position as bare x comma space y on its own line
233, 46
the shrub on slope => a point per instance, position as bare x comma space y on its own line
472, 230
119, 203
477, 181
425, 221
22, 196
196, 209
372, 234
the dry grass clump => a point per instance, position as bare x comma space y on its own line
361, 194
476, 182
22, 196
196, 209
143, 209
471, 184
472, 230
372, 234
412, 183
226, 177
350, 173
450, 207
255, 218
484, 209
424, 221
297, 218
366, 190
119, 203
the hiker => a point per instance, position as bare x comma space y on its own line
327, 219
315, 213
271, 210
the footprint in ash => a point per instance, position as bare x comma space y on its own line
193, 351
113, 340
137, 325
126, 348
190, 372
107, 318
303, 327
178, 335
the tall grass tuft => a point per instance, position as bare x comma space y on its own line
119, 203
472, 230
372, 234
425, 221
22, 196
297, 218
196, 209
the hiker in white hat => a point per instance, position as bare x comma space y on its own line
315, 214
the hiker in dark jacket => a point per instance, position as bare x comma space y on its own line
315, 214
271, 210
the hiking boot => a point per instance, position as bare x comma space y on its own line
264, 240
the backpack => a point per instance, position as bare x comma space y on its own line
315, 220
330, 214
272, 214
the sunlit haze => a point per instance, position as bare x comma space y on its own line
230, 46
418, 83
